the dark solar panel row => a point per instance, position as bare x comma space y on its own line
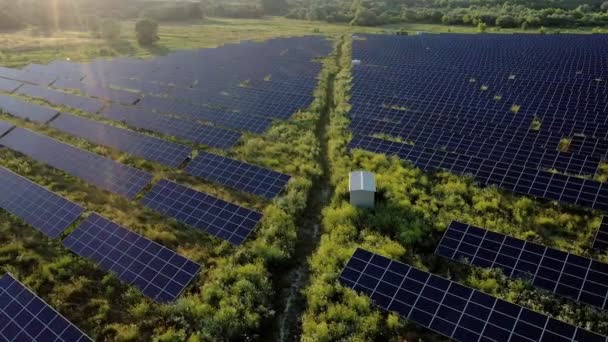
137, 144
26, 317
448, 308
24, 110
219, 117
601, 237
24, 76
96, 90
59, 98
156, 271
9, 86
187, 130
102, 172
49, 213
238, 175
561, 273
224, 220
511, 177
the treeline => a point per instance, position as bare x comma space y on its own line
499, 13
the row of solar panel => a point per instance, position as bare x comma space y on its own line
26, 317
448, 308
561, 273
510, 177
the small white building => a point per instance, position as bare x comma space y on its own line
362, 187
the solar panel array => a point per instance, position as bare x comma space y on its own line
137, 144
102, 172
564, 274
28, 111
49, 213
238, 175
448, 308
222, 219
26, 317
500, 108
59, 98
601, 237
156, 271
187, 130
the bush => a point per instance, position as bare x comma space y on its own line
110, 29
481, 27
604, 6
146, 31
175, 12
365, 17
9, 22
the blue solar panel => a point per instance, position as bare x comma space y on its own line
156, 271
49, 213
561, 273
26, 317
448, 308
9, 86
28, 111
5, 127
198, 133
28, 77
105, 173
205, 212
238, 175
59, 98
137, 144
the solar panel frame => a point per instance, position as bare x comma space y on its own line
134, 143
105, 173
28, 77
157, 271
564, 274
26, 317
217, 217
44, 210
448, 308
241, 176
59, 98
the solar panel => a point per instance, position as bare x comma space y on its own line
202, 211
564, 274
9, 86
26, 317
238, 175
448, 308
28, 111
137, 144
59, 98
102, 172
198, 133
601, 237
5, 127
49, 213
28, 77
156, 271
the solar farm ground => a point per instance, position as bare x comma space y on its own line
290, 274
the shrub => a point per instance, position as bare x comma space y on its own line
506, 21
481, 27
9, 22
110, 29
146, 31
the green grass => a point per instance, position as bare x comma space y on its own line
439, 28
